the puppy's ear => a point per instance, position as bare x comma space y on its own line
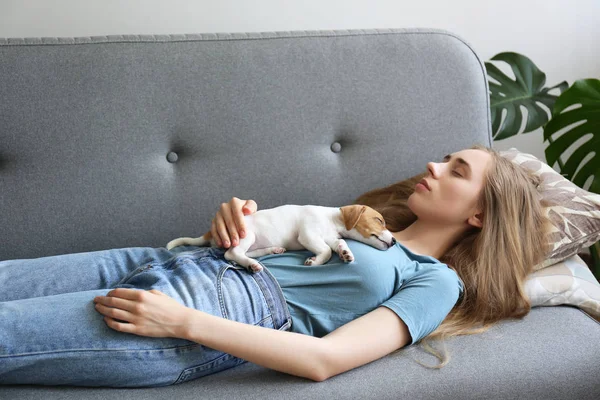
351, 215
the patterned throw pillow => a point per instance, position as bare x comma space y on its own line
575, 213
567, 282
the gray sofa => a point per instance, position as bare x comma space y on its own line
120, 141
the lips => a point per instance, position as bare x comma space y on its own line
424, 183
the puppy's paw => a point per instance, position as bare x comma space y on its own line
279, 250
255, 267
344, 252
310, 261
348, 258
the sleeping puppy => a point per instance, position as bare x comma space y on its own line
291, 227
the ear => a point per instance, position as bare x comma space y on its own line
476, 220
351, 215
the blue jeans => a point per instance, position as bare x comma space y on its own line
50, 333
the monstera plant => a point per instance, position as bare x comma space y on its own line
574, 111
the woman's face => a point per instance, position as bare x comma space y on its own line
454, 187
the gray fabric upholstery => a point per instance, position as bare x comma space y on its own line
88, 128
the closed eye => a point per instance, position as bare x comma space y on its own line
461, 162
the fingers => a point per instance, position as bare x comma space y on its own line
125, 327
114, 313
238, 228
226, 226
250, 207
124, 299
214, 232
229, 226
124, 293
115, 309
218, 228
240, 208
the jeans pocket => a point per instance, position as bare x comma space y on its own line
240, 297
225, 361
139, 270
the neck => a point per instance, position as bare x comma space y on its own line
428, 238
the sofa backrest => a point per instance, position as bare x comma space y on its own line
120, 141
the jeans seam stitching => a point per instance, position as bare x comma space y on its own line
220, 291
96, 350
287, 322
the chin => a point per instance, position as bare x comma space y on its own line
411, 204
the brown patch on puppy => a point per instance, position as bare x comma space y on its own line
351, 215
364, 219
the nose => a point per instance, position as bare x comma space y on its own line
393, 241
432, 168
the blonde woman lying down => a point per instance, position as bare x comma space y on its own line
140, 317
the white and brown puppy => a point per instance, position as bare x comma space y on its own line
314, 228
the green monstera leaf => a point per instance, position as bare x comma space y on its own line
527, 90
579, 122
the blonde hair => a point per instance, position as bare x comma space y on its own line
493, 261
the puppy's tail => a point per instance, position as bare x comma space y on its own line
202, 241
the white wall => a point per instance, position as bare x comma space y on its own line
561, 36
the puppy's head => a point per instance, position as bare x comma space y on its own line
366, 225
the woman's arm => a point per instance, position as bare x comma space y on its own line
359, 342
153, 313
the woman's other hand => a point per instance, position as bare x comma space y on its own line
228, 225
145, 313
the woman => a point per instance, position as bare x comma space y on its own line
465, 243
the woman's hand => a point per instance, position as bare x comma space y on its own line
145, 313
228, 225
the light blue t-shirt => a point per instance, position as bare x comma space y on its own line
419, 289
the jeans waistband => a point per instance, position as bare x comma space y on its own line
282, 320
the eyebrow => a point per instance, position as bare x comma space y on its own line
462, 161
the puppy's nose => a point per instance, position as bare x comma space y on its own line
393, 241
